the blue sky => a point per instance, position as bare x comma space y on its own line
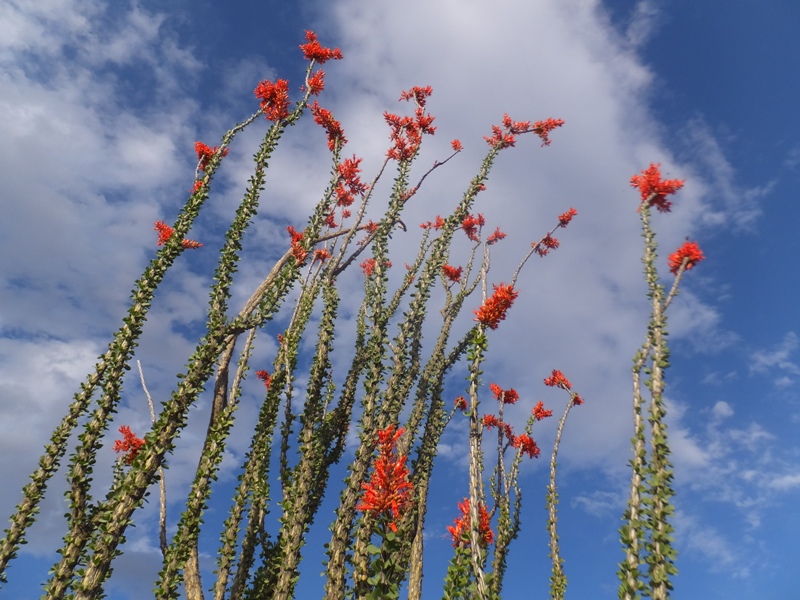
99, 110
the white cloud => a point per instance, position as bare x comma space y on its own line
785, 482
645, 18
762, 361
718, 551
722, 410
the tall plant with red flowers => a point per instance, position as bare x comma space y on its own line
646, 534
387, 407
387, 496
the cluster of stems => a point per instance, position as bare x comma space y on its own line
395, 383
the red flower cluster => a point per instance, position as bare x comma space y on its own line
500, 139
495, 308
543, 246
368, 266
504, 138
205, 154
543, 128
653, 190
350, 184
509, 396
165, 232
316, 83
490, 421
332, 127
524, 442
321, 255
540, 413
274, 98
558, 380
437, 224
388, 492
130, 444
527, 445
563, 220
471, 226
495, 237
456, 145
265, 377
314, 51
298, 251
690, 252
418, 94
461, 527
407, 132
452, 273
460, 403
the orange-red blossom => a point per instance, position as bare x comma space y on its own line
689, 251
460, 530
129, 444
388, 491
165, 232
495, 308
653, 190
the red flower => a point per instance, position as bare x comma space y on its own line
274, 98
321, 255
452, 273
495, 237
456, 145
504, 138
388, 491
490, 421
558, 380
500, 139
165, 232
460, 403
206, 153
418, 94
546, 244
130, 444
460, 530
265, 377
368, 266
316, 83
298, 251
350, 186
653, 190
690, 252
509, 396
471, 225
314, 51
495, 308
564, 219
437, 224
526, 445
540, 413
406, 134
577, 400
198, 185
543, 128
331, 126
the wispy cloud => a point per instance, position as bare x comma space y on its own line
763, 361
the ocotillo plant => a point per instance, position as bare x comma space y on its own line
393, 394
